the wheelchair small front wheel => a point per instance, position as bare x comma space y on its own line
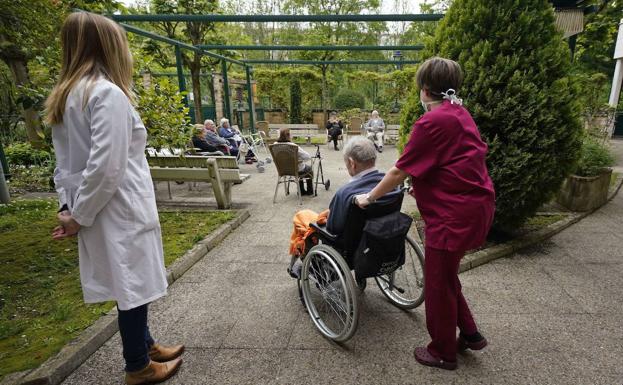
404, 288
329, 293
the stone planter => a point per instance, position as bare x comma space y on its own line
580, 193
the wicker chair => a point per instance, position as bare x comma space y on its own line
355, 127
285, 156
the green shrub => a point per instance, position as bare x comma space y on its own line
518, 89
164, 114
594, 158
411, 111
347, 99
24, 154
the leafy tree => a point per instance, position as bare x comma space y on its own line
423, 32
195, 33
295, 100
518, 88
595, 46
164, 114
24, 35
327, 33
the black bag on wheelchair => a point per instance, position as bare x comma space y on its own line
381, 249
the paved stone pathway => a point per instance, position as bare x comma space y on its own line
552, 313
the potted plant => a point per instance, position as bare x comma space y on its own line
587, 188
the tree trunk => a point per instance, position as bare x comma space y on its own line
19, 69
195, 71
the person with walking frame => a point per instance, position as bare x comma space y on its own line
105, 189
446, 160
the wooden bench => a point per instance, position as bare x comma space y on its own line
307, 131
220, 171
392, 132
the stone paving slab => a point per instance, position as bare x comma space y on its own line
552, 312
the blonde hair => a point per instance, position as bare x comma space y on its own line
92, 45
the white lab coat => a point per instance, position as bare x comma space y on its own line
102, 175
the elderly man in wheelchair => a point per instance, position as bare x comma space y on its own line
374, 242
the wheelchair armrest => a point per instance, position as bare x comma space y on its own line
322, 231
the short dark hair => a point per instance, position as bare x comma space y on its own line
284, 135
438, 75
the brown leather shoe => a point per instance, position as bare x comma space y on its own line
154, 372
161, 353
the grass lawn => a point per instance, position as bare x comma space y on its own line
41, 306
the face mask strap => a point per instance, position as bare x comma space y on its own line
450, 95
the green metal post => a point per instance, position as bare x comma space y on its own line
336, 62
226, 101
251, 106
276, 18
180, 72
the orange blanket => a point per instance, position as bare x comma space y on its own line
302, 230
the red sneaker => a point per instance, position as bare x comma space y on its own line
423, 356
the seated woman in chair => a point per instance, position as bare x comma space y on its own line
199, 140
304, 166
360, 161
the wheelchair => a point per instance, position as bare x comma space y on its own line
327, 286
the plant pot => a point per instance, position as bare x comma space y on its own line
579, 193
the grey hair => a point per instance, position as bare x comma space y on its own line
223, 120
375, 112
361, 150
205, 123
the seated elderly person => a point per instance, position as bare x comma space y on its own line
360, 161
375, 130
303, 162
229, 133
199, 140
214, 140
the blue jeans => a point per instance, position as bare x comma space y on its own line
135, 337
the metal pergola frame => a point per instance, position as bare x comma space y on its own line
204, 49
313, 47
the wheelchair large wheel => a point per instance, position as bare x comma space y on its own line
404, 288
329, 293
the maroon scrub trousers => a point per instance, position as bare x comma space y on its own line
445, 157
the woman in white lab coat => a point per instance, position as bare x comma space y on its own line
105, 188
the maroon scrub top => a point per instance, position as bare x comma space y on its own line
445, 157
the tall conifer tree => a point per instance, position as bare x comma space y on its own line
518, 88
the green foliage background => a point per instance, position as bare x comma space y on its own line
164, 114
347, 99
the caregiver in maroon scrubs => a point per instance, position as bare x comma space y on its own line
445, 158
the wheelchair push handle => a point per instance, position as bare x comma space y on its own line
403, 189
